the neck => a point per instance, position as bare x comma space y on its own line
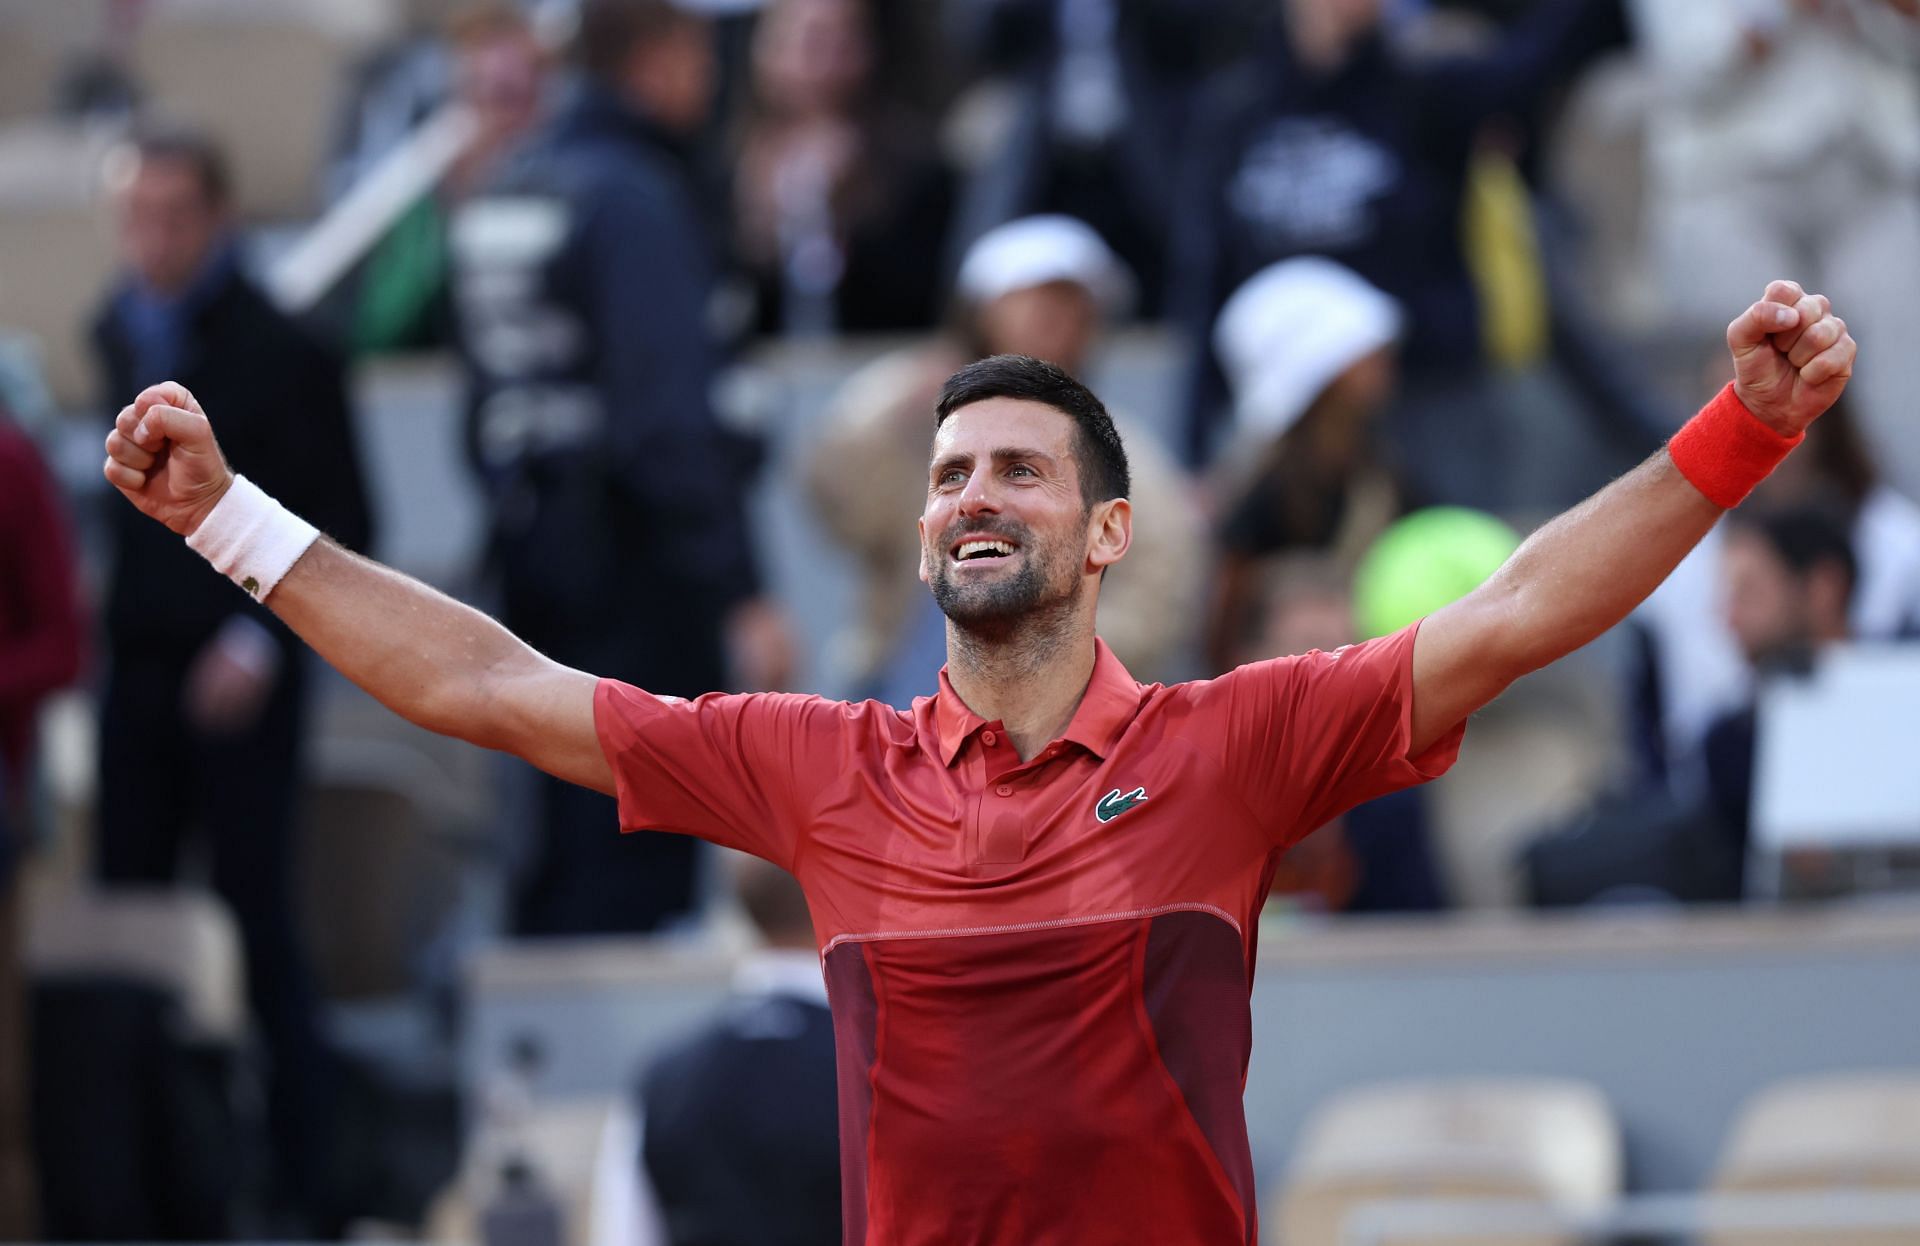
1029, 679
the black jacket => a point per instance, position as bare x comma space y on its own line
582, 282
278, 403
1366, 165
741, 1129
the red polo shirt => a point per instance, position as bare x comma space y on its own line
1039, 970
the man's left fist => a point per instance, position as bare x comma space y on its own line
1791, 357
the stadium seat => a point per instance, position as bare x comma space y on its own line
266, 79
39, 42
383, 862
1835, 1134
56, 249
184, 942
561, 1142
1526, 1140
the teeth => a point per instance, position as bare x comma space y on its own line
970, 548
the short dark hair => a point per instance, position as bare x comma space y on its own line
191, 146
609, 31
1103, 459
1804, 537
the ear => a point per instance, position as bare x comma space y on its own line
926, 572
1109, 533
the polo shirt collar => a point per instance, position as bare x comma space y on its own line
1105, 709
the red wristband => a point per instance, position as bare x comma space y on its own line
1725, 450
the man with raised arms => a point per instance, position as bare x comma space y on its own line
1036, 892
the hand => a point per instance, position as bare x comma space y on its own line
759, 646
1791, 357
162, 457
231, 677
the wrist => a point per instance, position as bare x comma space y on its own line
206, 507
1726, 450
250, 538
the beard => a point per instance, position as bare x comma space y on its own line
998, 606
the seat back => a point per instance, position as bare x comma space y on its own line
56, 245
1525, 1139
1827, 1134
183, 941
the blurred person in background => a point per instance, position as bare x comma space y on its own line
1377, 857
1102, 91
841, 205
1787, 578
1332, 142
41, 646
583, 280
1046, 287
731, 1137
1688, 668
206, 694
1309, 350
1733, 124
500, 75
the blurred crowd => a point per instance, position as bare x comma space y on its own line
1395, 326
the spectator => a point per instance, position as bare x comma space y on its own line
1331, 144
1690, 670
582, 282
732, 1139
1787, 579
1309, 349
206, 693
1043, 286
1377, 857
841, 207
40, 651
1103, 90
1840, 176
500, 76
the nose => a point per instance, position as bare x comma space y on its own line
977, 497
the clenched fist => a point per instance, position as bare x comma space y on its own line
162, 457
1791, 357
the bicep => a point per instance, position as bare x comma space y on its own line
1459, 665
546, 713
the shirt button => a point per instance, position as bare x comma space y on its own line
1003, 790
989, 739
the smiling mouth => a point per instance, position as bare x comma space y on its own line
982, 550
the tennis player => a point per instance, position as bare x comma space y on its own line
1035, 893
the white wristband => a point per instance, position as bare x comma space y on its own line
252, 539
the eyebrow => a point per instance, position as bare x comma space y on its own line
1001, 454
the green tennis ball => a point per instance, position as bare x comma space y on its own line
1425, 561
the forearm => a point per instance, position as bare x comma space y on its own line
1584, 571
425, 656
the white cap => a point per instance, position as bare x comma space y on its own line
1290, 330
1039, 250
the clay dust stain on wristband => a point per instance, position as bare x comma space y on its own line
1724, 451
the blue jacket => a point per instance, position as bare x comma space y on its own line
582, 279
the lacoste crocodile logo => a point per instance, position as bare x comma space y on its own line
1113, 804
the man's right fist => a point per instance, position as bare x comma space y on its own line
162, 456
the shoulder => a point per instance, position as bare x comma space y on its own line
1372, 662
622, 708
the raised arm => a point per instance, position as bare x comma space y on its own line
430, 659
1584, 571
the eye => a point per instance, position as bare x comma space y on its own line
950, 476
1020, 469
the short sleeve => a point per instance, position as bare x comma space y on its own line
1310, 737
737, 770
